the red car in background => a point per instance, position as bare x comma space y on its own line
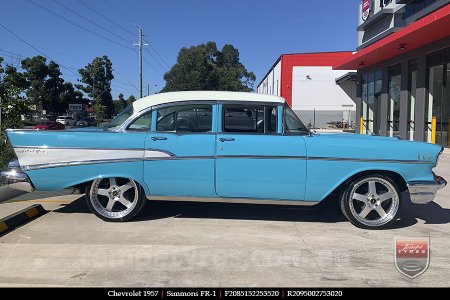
49, 125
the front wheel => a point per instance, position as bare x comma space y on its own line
115, 199
371, 202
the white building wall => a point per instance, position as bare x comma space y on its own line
317, 99
271, 84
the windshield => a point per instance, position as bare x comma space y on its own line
293, 123
122, 117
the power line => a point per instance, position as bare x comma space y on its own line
151, 66
14, 54
126, 82
158, 53
106, 18
76, 24
47, 49
90, 21
45, 55
119, 13
159, 63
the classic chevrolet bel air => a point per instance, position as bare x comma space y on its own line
224, 146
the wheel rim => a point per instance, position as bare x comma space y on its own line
374, 201
114, 197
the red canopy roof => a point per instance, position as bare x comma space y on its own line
431, 28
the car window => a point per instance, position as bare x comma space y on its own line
293, 123
121, 118
249, 118
143, 123
185, 118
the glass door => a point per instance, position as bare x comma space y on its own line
437, 109
412, 87
371, 102
394, 101
445, 133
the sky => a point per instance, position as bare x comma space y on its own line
73, 32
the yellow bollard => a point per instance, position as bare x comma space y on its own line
361, 122
433, 130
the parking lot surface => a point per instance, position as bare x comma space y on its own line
204, 244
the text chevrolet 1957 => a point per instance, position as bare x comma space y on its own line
224, 146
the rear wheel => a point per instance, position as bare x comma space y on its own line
115, 199
371, 202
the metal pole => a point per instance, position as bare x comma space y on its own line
140, 62
140, 45
148, 89
314, 124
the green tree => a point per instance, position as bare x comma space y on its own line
203, 67
122, 103
12, 78
96, 78
12, 107
119, 104
131, 99
44, 83
69, 95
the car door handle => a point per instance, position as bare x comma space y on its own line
158, 138
226, 139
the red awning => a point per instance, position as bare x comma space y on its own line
431, 28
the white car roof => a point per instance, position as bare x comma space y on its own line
171, 97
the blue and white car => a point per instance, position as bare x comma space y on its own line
226, 147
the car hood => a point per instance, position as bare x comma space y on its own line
370, 147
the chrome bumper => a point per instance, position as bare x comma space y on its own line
15, 178
422, 192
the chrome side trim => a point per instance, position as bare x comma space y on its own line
79, 163
233, 200
261, 156
81, 148
422, 192
400, 161
171, 156
178, 158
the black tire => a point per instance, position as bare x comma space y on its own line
366, 211
97, 204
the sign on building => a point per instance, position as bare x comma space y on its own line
75, 108
365, 9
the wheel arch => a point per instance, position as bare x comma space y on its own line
396, 177
82, 185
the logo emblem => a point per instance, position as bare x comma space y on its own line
412, 256
365, 10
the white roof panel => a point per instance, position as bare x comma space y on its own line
171, 97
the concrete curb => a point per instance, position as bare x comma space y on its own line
20, 218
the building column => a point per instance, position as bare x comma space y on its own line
421, 97
384, 101
358, 103
404, 97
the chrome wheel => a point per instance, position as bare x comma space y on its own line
374, 201
114, 198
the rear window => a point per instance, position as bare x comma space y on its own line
250, 118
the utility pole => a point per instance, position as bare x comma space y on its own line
148, 92
140, 45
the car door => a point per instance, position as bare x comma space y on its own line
180, 150
254, 158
